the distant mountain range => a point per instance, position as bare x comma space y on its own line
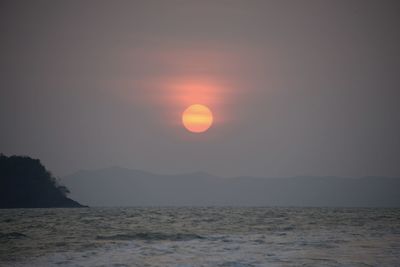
124, 187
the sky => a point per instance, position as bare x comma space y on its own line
295, 87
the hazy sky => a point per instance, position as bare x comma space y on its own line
296, 87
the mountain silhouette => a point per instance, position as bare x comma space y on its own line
25, 183
124, 187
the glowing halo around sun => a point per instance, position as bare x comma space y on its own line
197, 118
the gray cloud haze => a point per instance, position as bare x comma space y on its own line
296, 87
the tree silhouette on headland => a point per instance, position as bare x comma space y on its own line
25, 183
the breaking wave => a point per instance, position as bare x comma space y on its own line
149, 236
12, 235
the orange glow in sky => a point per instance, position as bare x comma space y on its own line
176, 77
180, 93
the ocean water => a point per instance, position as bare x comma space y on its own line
209, 236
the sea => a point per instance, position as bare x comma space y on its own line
200, 236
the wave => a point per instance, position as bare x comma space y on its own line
235, 264
12, 235
151, 236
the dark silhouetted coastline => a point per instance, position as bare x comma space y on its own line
25, 183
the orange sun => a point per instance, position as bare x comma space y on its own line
197, 118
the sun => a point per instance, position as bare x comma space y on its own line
197, 118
